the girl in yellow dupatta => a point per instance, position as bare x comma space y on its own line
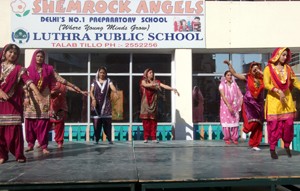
279, 79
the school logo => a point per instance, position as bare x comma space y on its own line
19, 8
20, 36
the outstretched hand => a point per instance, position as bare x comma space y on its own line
176, 92
228, 62
85, 93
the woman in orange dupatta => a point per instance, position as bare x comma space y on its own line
253, 102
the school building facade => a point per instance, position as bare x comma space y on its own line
184, 42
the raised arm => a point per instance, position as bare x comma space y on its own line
233, 72
67, 83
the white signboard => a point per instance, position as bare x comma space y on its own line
108, 23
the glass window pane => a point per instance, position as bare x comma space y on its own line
121, 83
69, 62
21, 59
77, 103
115, 63
164, 100
203, 63
160, 63
209, 86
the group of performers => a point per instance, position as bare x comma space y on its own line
278, 109
27, 92
39, 94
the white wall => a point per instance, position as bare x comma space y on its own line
183, 103
252, 24
5, 31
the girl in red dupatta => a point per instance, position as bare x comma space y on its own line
12, 77
279, 79
37, 115
253, 102
149, 87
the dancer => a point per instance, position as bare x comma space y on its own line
37, 115
198, 105
253, 102
280, 111
59, 110
230, 105
149, 87
101, 105
11, 93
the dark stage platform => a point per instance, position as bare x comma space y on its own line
147, 166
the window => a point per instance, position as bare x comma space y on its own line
115, 63
69, 62
207, 72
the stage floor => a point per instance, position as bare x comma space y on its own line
144, 166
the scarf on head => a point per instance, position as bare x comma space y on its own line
255, 87
43, 80
274, 77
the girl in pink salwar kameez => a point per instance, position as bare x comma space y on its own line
12, 78
230, 106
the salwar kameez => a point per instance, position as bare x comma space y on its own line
280, 114
58, 111
37, 115
148, 112
11, 134
230, 120
102, 114
253, 109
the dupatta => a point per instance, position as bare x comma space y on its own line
274, 77
234, 97
46, 78
255, 87
12, 76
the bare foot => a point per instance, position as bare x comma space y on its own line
21, 160
46, 151
2, 161
29, 149
60, 146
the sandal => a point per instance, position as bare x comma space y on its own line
29, 149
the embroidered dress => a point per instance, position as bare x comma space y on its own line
253, 108
11, 110
280, 116
12, 78
148, 112
37, 115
